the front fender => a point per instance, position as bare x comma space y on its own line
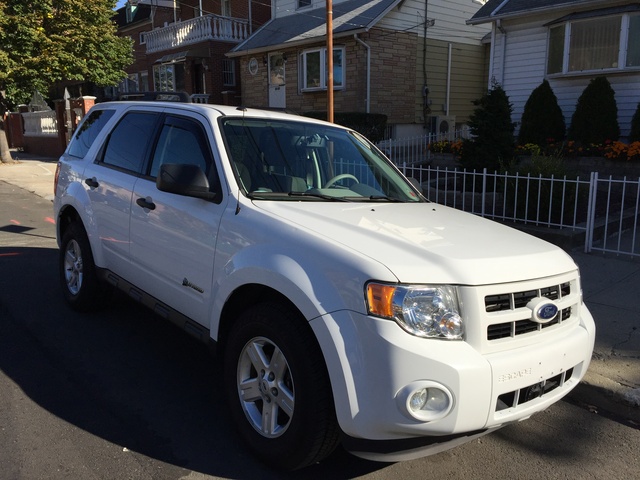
316, 275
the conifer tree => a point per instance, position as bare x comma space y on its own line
492, 129
542, 118
595, 120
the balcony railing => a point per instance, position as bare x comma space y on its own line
199, 29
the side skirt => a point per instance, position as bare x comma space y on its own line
159, 308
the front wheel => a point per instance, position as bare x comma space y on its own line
278, 388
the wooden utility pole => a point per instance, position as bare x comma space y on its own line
330, 60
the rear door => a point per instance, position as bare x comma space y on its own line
173, 237
110, 180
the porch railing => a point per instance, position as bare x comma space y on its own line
199, 29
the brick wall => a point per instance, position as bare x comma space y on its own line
393, 78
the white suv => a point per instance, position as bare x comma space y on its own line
346, 307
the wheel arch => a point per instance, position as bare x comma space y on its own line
67, 215
245, 297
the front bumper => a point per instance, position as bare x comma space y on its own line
371, 361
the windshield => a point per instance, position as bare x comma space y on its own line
285, 160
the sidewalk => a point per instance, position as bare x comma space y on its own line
31, 173
611, 288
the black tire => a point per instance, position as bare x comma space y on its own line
296, 390
78, 277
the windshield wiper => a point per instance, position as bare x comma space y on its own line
384, 197
318, 195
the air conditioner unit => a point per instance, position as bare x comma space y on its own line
444, 124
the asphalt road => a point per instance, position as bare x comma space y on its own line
122, 394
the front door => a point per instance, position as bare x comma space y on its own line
173, 237
277, 87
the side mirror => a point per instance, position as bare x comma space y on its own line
186, 180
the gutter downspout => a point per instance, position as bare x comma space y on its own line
504, 49
448, 79
368, 102
492, 54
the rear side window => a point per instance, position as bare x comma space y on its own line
88, 131
127, 143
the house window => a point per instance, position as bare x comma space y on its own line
144, 81
556, 49
168, 77
594, 44
132, 83
314, 69
303, 4
225, 7
228, 72
143, 39
633, 52
130, 12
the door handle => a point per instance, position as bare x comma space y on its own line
92, 182
146, 203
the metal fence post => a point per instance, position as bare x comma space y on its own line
591, 212
484, 190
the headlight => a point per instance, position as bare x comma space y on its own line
422, 310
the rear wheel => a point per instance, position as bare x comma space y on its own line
78, 277
278, 388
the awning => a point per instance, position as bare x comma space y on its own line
602, 12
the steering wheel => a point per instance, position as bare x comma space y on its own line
337, 178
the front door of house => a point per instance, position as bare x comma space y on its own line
277, 87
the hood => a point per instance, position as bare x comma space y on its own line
427, 242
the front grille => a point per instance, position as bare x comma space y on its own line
520, 327
537, 390
512, 302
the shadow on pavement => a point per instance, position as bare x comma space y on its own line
125, 375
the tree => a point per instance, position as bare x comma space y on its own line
542, 118
492, 129
47, 41
634, 135
596, 117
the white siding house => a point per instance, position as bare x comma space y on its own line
520, 50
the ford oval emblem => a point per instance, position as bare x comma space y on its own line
543, 310
547, 312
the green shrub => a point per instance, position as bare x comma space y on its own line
371, 125
596, 117
634, 135
542, 119
492, 130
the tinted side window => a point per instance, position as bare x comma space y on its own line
181, 141
87, 133
128, 141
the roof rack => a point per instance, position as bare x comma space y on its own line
157, 96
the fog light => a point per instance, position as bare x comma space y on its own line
418, 400
425, 401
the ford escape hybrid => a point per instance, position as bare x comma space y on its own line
346, 308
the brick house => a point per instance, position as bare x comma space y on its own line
181, 46
415, 61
